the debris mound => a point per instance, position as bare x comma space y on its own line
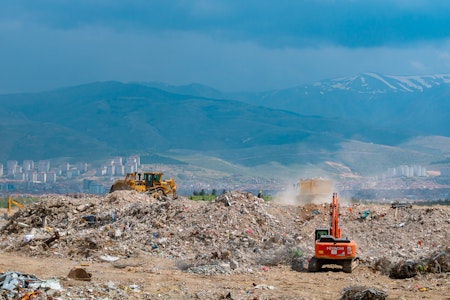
233, 234
237, 229
363, 293
404, 269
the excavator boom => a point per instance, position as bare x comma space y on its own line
335, 230
12, 202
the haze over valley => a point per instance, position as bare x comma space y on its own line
362, 126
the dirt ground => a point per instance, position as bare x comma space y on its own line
159, 279
233, 248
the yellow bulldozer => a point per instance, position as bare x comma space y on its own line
148, 182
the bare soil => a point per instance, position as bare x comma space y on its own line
188, 250
159, 279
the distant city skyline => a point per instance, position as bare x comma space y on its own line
228, 45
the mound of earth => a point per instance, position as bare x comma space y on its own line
237, 233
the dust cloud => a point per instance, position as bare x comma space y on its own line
292, 196
287, 197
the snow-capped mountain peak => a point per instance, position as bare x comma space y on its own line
374, 83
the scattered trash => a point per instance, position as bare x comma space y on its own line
398, 204
28, 238
17, 282
53, 238
236, 233
264, 287
90, 219
109, 258
363, 215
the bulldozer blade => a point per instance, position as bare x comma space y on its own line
119, 186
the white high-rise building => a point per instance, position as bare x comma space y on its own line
28, 165
110, 170
11, 167
31, 176
44, 166
42, 177
120, 170
51, 177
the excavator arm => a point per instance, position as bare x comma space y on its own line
335, 230
12, 202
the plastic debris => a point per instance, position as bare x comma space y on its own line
16, 282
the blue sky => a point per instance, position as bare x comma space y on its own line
229, 45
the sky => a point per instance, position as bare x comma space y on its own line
229, 45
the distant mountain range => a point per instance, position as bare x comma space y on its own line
366, 123
409, 103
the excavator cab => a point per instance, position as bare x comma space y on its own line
321, 232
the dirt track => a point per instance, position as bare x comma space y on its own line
237, 247
159, 279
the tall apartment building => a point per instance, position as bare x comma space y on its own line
134, 160
110, 170
83, 167
64, 167
51, 177
117, 161
28, 165
407, 171
42, 177
130, 168
11, 166
101, 171
19, 176
44, 166
72, 173
19, 170
31, 176
119, 170
1, 170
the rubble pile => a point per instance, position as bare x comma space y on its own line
17, 285
237, 228
235, 233
362, 293
401, 238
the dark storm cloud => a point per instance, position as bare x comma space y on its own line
227, 44
282, 23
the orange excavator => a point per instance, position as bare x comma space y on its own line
330, 247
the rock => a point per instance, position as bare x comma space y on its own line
363, 293
402, 270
